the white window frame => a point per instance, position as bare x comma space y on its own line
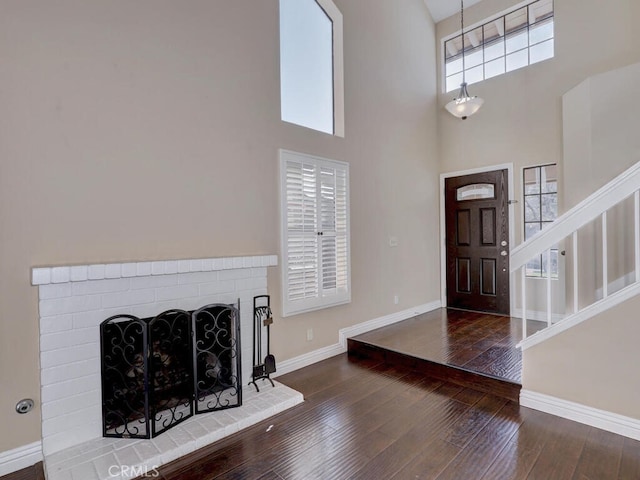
541, 275
334, 14
324, 298
497, 17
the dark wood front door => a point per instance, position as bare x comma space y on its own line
477, 236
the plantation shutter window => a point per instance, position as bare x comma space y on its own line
315, 232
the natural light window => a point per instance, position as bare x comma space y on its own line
512, 41
315, 232
311, 85
540, 209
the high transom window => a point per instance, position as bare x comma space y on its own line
311, 67
519, 38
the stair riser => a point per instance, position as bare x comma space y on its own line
459, 376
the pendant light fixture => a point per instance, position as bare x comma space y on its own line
464, 105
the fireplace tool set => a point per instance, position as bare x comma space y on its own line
262, 317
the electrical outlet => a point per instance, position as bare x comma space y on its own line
309, 334
396, 299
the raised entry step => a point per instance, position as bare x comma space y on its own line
471, 349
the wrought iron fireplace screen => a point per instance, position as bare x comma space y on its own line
157, 371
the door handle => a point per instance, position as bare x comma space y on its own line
503, 253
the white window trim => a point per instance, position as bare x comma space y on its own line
536, 278
332, 11
473, 26
443, 238
294, 308
335, 15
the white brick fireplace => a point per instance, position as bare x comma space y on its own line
74, 300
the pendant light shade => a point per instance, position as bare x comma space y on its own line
464, 105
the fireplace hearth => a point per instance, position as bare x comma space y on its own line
157, 372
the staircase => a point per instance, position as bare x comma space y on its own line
604, 226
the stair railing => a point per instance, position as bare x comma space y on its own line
566, 227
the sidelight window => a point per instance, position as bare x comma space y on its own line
540, 187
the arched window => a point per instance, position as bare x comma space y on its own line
311, 66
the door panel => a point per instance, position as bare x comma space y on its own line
463, 228
463, 278
477, 235
488, 226
488, 278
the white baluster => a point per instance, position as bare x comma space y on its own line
549, 287
575, 272
523, 269
636, 222
605, 266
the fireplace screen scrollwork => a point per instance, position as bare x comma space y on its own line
156, 372
216, 358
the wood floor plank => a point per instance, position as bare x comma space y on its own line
559, 457
429, 465
404, 419
403, 450
499, 361
630, 461
473, 420
369, 422
306, 424
34, 472
469, 396
600, 456
271, 475
478, 342
487, 445
517, 459
478, 381
349, 447
338, 456
514, 462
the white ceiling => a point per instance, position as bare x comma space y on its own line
441, 9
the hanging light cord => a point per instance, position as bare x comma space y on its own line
464, 105
462, 34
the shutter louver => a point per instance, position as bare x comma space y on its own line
316, 233
302, 248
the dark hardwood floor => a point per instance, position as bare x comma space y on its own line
472, 341
472, 349
34, 472
366, 420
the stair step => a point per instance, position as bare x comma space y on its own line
478, 381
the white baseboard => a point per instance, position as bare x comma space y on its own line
307, 359
310, 358
383, 321
19, 458
611, 422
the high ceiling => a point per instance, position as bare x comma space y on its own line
441, 9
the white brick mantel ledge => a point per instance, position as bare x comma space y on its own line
81, 273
